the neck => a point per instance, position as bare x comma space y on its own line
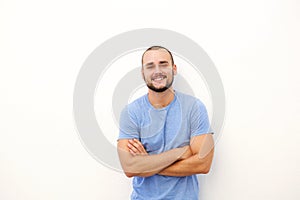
161, 99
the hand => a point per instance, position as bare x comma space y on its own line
186, 152
136, 147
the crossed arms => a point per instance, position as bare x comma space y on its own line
195, 158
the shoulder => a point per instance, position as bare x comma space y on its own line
189, 103
135, 106
138, 103
187, 99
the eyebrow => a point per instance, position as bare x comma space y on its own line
150, 63
160, 62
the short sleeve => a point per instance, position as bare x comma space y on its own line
199, 119
128, 128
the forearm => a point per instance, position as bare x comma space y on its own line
148, 165
189, 166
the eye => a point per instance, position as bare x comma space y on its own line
149, 66
163, 65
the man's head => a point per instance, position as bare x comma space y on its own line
158, 68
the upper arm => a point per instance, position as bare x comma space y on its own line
199, 120
128, 128
202, 147
202, 144
201, 135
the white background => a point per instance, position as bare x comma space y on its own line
254, 44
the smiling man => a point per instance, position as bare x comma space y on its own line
165, 137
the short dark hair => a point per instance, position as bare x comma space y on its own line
157, 48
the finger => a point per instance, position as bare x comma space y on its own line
140, 146
132, 153
131, 147
135, 143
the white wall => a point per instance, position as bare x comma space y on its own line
254, 45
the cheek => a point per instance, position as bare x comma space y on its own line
146, 75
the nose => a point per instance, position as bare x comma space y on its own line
157, 69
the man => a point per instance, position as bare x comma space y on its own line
165, 137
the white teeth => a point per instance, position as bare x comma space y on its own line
158, 79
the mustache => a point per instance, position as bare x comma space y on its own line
158, 76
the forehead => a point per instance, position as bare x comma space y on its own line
156, 56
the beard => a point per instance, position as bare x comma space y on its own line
167, 86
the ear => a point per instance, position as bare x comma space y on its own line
174, 69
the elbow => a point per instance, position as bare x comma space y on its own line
128, 171
204, 166
202, 169
129, 175
206, 170
206, 162
145, 174
207, 166
128, 167
140, 174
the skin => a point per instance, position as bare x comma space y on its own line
196, 158
142, 164
199, 161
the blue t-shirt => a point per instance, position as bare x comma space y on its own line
160, 130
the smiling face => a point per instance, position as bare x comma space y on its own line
158, 70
